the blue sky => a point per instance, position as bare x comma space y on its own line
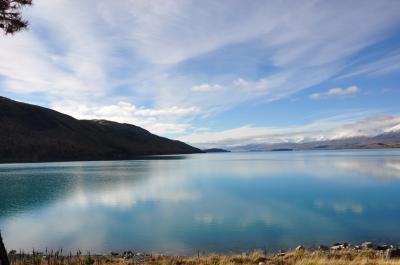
213, 73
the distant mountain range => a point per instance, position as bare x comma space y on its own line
385, 140
215, 150
30, 133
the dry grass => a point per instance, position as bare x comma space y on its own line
343, 257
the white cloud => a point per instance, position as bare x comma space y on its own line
343, 91
126, 109
326, 129
160, 121
305, 49
369, 126
179, 30
137, 50
206, 88
337, 91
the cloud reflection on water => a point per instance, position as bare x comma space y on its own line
212, 202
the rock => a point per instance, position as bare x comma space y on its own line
281, 253
342, 245
128, 254
338, 247
382, 247
367, 245
300, 248
323, 248
357, 247
393, 253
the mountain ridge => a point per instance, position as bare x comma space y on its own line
384, 140
31, 133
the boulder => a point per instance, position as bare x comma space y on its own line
382, 247
338, 247
393, 253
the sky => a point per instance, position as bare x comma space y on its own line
213, 73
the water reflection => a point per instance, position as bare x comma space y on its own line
212, 202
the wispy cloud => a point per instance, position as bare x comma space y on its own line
161, 55
336, 92
389, 64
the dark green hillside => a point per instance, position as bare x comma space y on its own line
30, 133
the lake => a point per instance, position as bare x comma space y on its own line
208, 202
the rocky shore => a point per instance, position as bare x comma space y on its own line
390, 251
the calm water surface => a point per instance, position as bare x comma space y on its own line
212, 202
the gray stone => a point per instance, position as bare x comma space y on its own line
342, 245
367, 245
337, 247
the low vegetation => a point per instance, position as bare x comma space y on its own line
299, 257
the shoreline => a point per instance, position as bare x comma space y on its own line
179, 155
338, 253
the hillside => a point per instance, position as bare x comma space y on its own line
30, 133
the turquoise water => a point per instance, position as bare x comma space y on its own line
207, 202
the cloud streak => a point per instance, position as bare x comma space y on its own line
325, 129
180, 60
